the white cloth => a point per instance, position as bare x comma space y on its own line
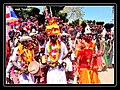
56, 75
26, 79
63, 51
103, 32
68, 64
12, 57
87, 29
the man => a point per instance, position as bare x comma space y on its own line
55, 52
20, 59
69, 60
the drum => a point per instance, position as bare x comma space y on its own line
34, 68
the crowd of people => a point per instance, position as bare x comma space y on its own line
58, 53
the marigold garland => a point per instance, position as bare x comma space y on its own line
27, 55
56, 49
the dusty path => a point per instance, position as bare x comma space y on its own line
107, 77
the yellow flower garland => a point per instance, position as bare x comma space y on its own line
27, 54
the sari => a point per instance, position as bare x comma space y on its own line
87, 70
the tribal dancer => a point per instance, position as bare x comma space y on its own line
55, 52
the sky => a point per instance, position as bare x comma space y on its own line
98, 13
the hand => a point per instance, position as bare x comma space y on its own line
22, 70
93, 55
70, 51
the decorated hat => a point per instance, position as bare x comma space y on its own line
25, 38
52, 29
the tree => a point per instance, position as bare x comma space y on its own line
55, 9
63, 16
73, 12
34, 11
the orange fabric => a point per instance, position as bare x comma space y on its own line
20, 51
87, 76
91, 46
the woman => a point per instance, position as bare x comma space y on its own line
109, 50
87, 63
100, 51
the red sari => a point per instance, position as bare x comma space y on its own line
87, 66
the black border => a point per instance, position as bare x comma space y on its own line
63, 85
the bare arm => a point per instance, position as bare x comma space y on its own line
64, 56
16, 65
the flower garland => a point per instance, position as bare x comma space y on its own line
54, 52
26, 54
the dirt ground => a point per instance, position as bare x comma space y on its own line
107, 77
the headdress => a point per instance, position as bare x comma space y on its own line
52, 28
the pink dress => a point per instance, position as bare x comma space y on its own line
99, 58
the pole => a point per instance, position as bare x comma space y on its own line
50, 11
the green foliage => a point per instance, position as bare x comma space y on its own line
55, 9
63, 16
24, 11
73, 12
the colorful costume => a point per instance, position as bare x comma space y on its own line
22, 57
55, 53
87, 65
56, 75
